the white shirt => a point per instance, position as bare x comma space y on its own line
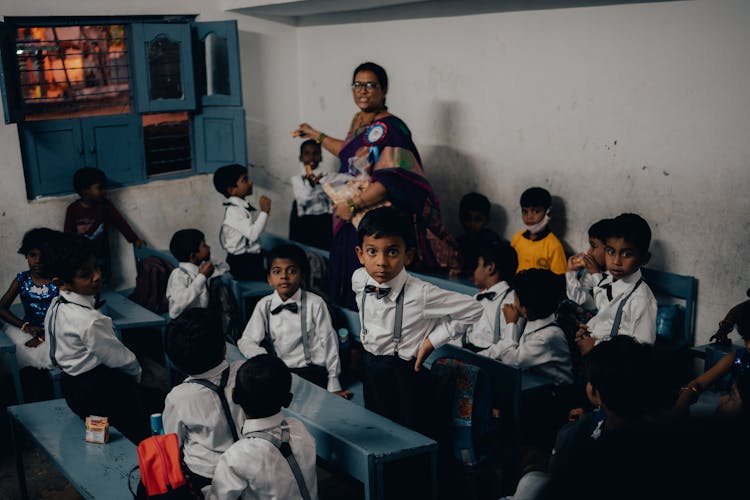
429, 312
187, 288
253, 468
310, 200
482, 334
85, 338
239, 234
286, 334
195, 414
638, 315
542, 349
581, 289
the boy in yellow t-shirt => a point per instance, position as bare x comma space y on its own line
535, 245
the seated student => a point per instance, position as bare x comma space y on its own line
494, 271
585, 269
311, 349
188, 283
625, 303
92, 214
36, 294
403, 318
192, 410
240, 234
99, 374
474, 212
310, 221
536, 246
257, 466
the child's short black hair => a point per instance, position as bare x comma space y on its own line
63, 254
226, 177
86, 177
536, 197
288, 251
309, 142
387, 221
194, 341
600, 229
475, 202
503, 256
34, 239
539, 291
263, 386
621, 369
184, 242
632, 228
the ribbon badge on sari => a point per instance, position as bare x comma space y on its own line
374, 136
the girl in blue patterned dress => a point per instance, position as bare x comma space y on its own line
36, 294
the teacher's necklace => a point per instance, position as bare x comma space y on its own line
366, 118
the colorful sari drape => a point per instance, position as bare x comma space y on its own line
399, 170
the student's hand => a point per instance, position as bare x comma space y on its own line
575, 262
206, 268
305, 131
722, 334
265, 204
585, 343
343, 211
590, 264
138, 243
34, 331
583, 330
344, 394
35, 341
575, 414
424, 352
510, 313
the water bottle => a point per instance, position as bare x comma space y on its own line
157, 427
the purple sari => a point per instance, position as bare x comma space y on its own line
399, 170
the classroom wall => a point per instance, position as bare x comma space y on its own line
640, 107
268, 58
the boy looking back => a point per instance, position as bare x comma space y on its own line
310, 221
92, 213
625, 303
240, 232
262, 464
403, 318
195, 344
585, 269
474, 212
536, 246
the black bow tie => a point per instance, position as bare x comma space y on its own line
292, 306
379, 291
486, 295
248, 207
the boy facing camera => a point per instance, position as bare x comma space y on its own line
625, 303
195, 411
536, 246
474, 212
275, 458
294, 324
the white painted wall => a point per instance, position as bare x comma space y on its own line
641, 107
268, 59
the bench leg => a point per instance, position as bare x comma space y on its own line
56, 375
17, 443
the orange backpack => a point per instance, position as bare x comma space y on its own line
160, 464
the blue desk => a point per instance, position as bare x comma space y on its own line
352, 438
8, 348
97, 471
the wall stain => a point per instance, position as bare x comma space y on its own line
666, 174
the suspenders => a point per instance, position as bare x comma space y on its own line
397, 322
498, 312
286, 450
618, 315
303, 327
51, 332
219, 390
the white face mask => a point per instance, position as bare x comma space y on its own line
539, 226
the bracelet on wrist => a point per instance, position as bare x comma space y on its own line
23, 327
321, 138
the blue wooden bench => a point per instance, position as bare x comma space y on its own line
8, 349
672, 286
96, 471
353, 439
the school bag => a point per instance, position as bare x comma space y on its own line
151, 284
467, 391
222, 300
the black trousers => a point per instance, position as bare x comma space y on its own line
393, 389
318, 375
247, 267
109, 393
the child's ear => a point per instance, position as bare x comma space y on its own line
491, 268
410, 253
59, 283
288, 400
593, 395
360, 254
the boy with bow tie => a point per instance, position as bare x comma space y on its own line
403, 319
294, 324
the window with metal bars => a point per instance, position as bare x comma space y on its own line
73, 71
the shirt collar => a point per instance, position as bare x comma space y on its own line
190, 268
237, 201
261, 424
82, 300
276, 299
212, 373
396, 284
625, 282
499, 289
537, 324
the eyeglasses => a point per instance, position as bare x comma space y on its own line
365, 85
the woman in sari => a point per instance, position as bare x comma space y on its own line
382, 143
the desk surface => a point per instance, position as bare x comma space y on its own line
95, 470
